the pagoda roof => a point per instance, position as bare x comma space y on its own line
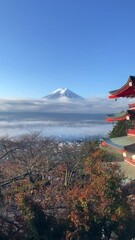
128, 90
130, 148
120, 142
124, 115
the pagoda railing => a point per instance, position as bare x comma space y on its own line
132, 105
131, 132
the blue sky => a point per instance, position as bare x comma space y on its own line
86, 46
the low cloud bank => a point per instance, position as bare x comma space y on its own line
71, 119
55, 129
91, 105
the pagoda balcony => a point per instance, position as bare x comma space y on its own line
131, 132
132, 105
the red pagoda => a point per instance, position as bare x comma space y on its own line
126, 144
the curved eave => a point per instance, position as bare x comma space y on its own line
125, 115
118, 116
128, 90
130, 148
109, 142
120, 142
116, 119
132, 112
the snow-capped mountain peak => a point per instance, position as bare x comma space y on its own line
60, 90
63, 92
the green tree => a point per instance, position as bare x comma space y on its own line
120, 129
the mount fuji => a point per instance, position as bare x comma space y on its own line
63, 93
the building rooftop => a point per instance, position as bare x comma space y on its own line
128, 90
130, 148
117, 116
120, 142
124, 115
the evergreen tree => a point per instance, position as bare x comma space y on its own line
120, 129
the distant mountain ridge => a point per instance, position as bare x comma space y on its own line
64, 92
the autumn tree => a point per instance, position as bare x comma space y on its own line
97, 207
30, 155
52, 190
71, 157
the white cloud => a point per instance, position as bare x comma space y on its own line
22, 115
55, 128
91, 105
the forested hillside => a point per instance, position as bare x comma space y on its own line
55, 191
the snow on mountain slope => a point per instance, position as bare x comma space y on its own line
64, 92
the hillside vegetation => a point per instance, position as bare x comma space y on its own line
62, 191
120, 129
